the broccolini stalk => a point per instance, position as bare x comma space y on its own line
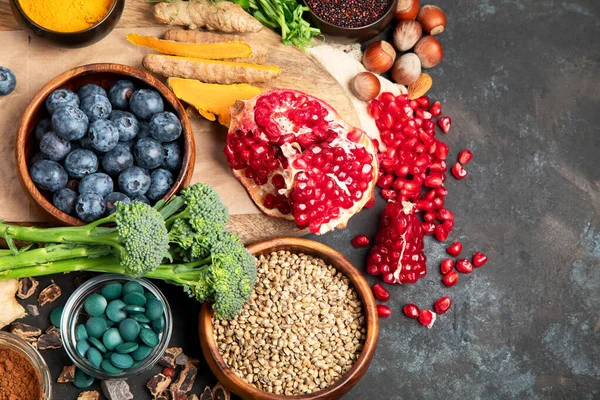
49, 254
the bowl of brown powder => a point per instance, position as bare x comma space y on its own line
24, 374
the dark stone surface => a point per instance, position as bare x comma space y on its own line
521, 80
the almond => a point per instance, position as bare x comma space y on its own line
407, 34
420, 87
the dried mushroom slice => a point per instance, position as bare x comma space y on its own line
192, 397
89, 395
116, 390
49, 341
158, 384
182, 360
220, 393
177, 394
25, 331
49, 294
207, 394
169, 358
32, 310
186, 379
27, 287
67, 374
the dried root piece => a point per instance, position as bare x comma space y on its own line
206, 394
158, 384
186, 379
116, 390
222, 16
177, 394
209, 71
67, 374
32, 310
168, 359
25, 331
192, 397
89, 395
50, 340
49, 294
220, 393
27, 287
10, 309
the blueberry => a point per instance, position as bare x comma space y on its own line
80, 163
90, 207
165, 127
96, 107
98, 183
173, 157
145, 102
134, 181
49, 175
148, 153
64, 199
60, 98
126, 123
117, 160
104, 135
141, 199
90, 89
54, 147
70, 123
8, 81
144, 130
161, 183
120, 93
112, 198
42, 127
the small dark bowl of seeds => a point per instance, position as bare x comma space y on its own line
351, 21
308, 332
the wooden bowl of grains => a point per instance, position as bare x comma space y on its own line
308, 332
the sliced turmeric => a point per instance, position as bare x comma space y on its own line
209, 71
212, 51
259, 52
211, 100
221, 16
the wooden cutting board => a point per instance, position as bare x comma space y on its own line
35, 62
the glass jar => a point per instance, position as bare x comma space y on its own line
15, 343
71, 318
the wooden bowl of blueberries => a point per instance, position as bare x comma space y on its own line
99, 134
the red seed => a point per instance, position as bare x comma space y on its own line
411, 311
168, 372
479, 259
380, 292
465, 156
444, 124
438, 203
459, 172
447, 266
441, 191
427, 318
448, 225
424, 205
441, 234
444, 214
428, 228
433, 181
384, 311
371, 202
389, 194
442, 304
464, 266
424, 102
454, 249
451, 279
436, 109
360, 241
429, 216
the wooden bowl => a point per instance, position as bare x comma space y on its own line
103, 75
248, 392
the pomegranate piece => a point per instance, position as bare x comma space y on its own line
411, 311
444, 124
442, 305
397, 254
479, 259
451, 279
427, 318
459, 172
380, 293
464, 266
384, 311
444, 214
454, 249
441, 234
465, 156
436, 109
360, 241
446, 266
299, 160
371, 202
428, 228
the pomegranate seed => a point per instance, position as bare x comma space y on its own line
479, 259
429, 216
389, 194
464, 266
436, 109
433, 181
424, 205
438, 203
370, 203
447, 266
441, 151
424, 102
168, 372
441, 234
427, 318
441, 191
411, 311
465, 156
451, 279
431, 195
428, 228
454, 249
360, 241
444, 214
380, 292
384, 311
459, 172
444, 124
448, 225
442, 305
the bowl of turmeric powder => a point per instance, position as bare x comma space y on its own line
68, 23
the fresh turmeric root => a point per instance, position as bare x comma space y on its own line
221, 16
259, 52
209, 71
211, 100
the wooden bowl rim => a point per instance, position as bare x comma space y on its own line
299, 245
38, 100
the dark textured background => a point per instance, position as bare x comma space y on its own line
521, 80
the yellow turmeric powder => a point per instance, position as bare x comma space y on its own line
66, 15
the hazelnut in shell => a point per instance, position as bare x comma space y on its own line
365, 86
379, 57
432, 19
407, 9
407, 34
429, 50
407, 69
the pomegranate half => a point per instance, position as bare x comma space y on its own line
299, 160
